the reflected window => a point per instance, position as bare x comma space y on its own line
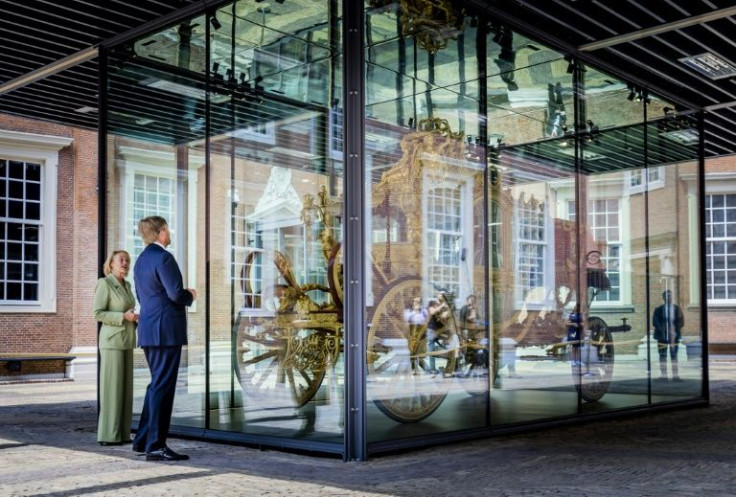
532, 245
604, 217
383, 232
604, 222
649, 179
444, 238
151, 196
720, 246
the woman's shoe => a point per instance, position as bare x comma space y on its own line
105, 444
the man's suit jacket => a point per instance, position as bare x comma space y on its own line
659, 320
162, 321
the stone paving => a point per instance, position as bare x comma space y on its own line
48, 448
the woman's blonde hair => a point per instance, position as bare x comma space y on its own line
107, 266
149, 228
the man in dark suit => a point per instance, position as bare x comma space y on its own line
162, 331
668, 322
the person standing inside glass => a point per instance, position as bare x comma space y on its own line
668, 322
113, 307
162, 332
439, 315
574, 334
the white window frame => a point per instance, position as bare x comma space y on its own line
620, 243
162, 164
606, 188
451, 181
535, 299
43, 150
726, 188
261, 132
647, 183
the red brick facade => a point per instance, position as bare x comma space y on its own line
72, 324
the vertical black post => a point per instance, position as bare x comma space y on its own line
231, 211
647, 286
401, 48
581, 200
705, 390
207, 212
102, 56
354, 248
481, 55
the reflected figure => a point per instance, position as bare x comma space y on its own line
473, 332
416, 315
668, 322
468, 314
556, 115
439, 315
506, 60
574, 334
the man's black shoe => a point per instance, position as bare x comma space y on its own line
139, 449
165, 454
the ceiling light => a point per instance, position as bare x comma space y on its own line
86, 109
183, 90
215, 22
688, 136
710, 65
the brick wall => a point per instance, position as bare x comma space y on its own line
76, 242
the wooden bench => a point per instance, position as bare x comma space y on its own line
13, 363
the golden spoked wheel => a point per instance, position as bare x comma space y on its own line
593, 375
282, 366
407, 378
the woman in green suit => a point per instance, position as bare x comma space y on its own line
113, 307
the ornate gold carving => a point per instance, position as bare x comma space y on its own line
433, 22
315, 352
439, 126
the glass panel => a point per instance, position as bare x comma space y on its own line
676, 320
426, 310
529, 89
155, 128
534, 282
276, 223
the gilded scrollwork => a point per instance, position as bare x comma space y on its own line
314, 352
433, 22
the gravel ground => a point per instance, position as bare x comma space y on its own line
47, 447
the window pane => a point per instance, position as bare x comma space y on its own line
33, 211
31, 233
15, 231
16, 170
33, 191
15, 209
31, 252
33, 172
14, 291
31, 272
15, 189
30, 291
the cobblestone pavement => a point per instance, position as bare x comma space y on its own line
47, 447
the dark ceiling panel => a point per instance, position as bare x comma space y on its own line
38, 32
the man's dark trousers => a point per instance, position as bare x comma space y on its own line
163, 363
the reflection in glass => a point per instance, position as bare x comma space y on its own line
276, 222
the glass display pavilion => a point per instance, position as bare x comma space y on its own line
394, 213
